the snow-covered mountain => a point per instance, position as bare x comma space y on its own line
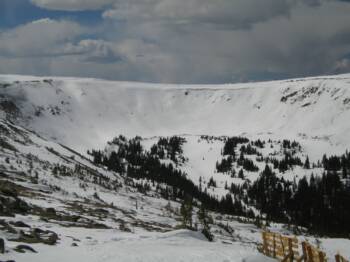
56, 205
86, 113
95, 213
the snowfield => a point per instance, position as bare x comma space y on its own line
49, 123
115, 246
86, 113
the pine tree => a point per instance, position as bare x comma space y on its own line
344, 172
186, 212
241, 174
307, 163
212, 182
205, 220
233, 173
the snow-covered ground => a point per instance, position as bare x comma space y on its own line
203, 153
110, 246
86, 113
153, 235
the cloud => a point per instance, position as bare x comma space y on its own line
43, 37
234, 14
342, 66
237, 13
50, 47
306, 41
52, 38
72, 5
185, 41
95, 51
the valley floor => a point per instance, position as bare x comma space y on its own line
111, 246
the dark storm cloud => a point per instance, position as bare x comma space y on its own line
234, 14
187, 41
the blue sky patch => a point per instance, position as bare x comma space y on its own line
17, 12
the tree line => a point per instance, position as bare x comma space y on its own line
131, 160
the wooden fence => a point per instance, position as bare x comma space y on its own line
339, 258
281, 247
312, 254
286, 249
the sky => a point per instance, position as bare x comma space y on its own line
175, 41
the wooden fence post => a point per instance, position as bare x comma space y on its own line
286, 249
290, 245
303, 246
274, 245
265, 243
322, 257
310, 255
337, 258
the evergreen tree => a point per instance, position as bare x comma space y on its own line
344, 172
307, 163
186, 212
241, 174
205, 221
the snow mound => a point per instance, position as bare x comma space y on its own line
183, 234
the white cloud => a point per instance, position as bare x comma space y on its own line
185, 40
95, 51
342, 66
307, 41
43, 37
52, 47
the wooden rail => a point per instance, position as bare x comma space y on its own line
280, 247
286, 249
312, 254
339, 258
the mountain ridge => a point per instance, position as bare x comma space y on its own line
128, 194
86, 113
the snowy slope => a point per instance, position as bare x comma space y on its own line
117, 246
106, 227
202, 153
85, 113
